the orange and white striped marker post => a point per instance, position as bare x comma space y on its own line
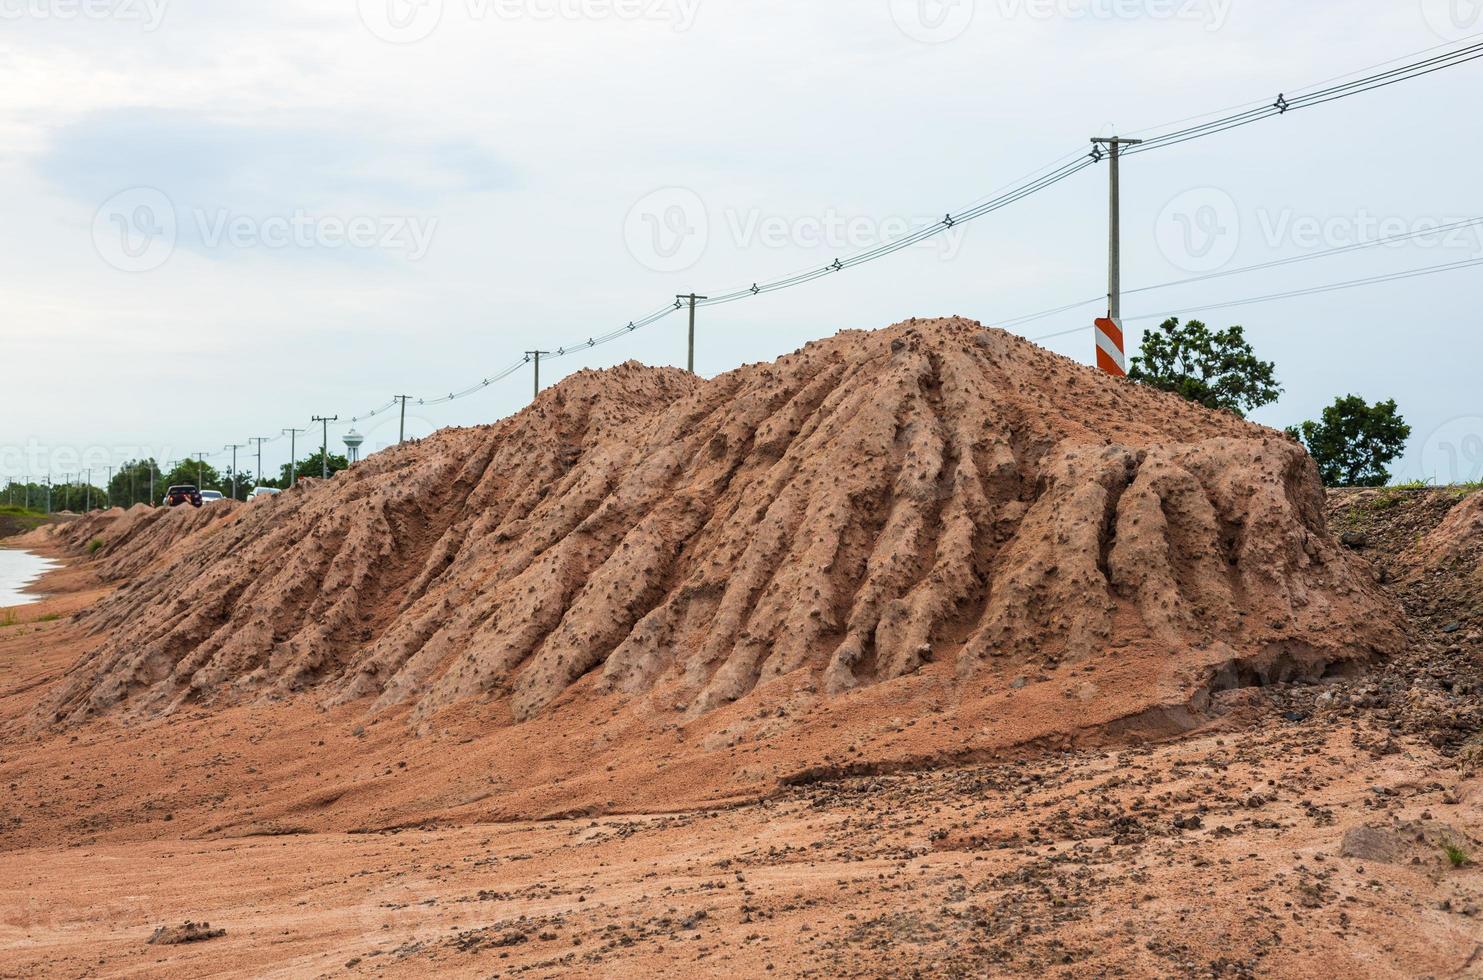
1110, 355
1110, 352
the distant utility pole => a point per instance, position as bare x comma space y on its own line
690, 360
536, 354
401, 432
200, 462
48, 492
259, 440
324, 447
293, 461
1111, 356
234, 446
151, 481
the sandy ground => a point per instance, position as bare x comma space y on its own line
1071, 865
1222, 853
1085, 819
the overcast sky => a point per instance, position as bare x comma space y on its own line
223, 219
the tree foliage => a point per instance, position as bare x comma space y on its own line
36, 496
1354, 442
1217, 369
130, 484
41, 497
311, 465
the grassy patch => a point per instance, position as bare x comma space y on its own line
94, 545
49, 618
18, 520
1456, 855
7, 618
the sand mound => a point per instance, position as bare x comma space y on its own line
123, 543
871, 503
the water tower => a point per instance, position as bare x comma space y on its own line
353, 440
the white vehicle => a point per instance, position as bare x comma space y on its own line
263, 492
211, 496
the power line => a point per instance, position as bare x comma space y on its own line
1046, 177
1062, 169
1290, 294
1261, 266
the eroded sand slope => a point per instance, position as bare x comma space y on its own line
869, 504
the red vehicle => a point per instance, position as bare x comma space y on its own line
182, 494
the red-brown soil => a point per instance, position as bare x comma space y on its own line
849, 516
1160, 786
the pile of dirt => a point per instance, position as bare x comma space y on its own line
122, 544
186, 932
932, 493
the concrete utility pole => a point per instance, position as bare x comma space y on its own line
88, 496
200, 461
259, 472
234, 446
1111, 357
401, 432
536, 356
151, 481
293, 462
324, 448
690, 360
48, 493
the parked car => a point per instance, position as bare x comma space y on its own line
183, 494
262, 492
211, 496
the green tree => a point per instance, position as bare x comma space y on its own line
1354, 442
75, 497
130, 485
311, 465
244, 484
1216, 369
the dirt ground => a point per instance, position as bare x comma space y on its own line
1280, 830
1221, 855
